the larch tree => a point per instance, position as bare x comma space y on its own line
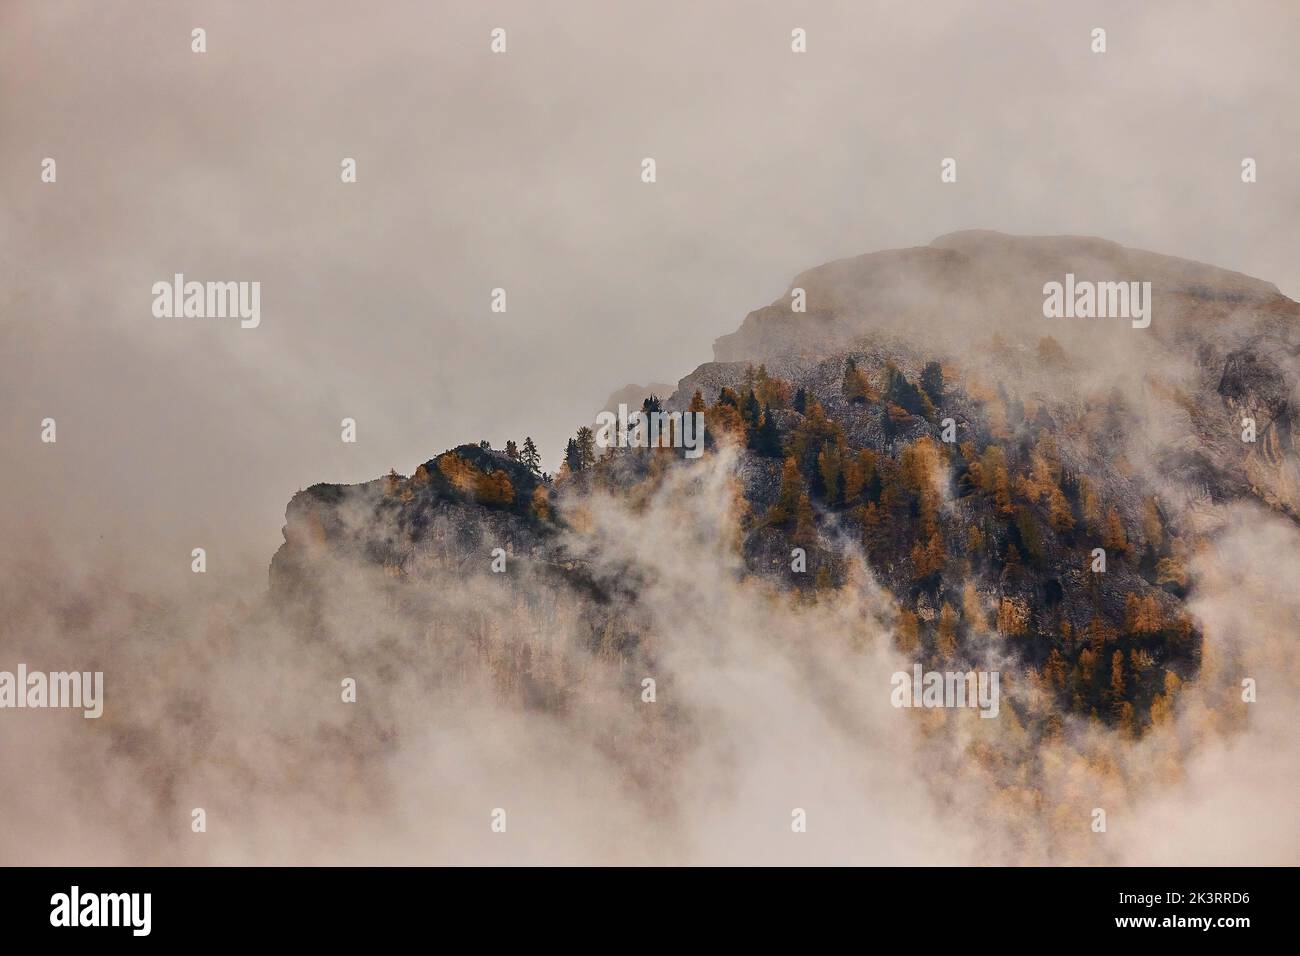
1089, 503
907, 632
1113, 537
1153, 529
855, 387
805, 532
1117, 677
787, 498
947, 638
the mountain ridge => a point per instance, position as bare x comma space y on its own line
925, 417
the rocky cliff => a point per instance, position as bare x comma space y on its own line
1023, 486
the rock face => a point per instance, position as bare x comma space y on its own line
923, 414
986, 283
1221, 347
438, 516
633, 395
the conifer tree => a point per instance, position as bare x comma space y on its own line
932, 382
1117, 677
1153, 528
1089, 504
766, 439
787, 498
854, 387
805, 533
750, 411
947, 638
1113, 537
907, 635
531, 457
828, 466
586, 445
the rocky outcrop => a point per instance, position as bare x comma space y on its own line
929, 417
440, 516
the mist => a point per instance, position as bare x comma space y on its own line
521, 171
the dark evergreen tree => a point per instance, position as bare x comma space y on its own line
766, 438
932, 382
874, 487
586, 444
899, 391
531, 457
854, 387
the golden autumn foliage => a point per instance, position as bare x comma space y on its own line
907, 632
462, 474
495, 489
1171, 570
772, 392
1013, 617
947, 639
541, 503
1117, 675
918, 464
857, 471
492, 489
929, 558
830, 464
972, 608
1056, 670
1099, 633
1153, 528
1143, 615
805, 533
856, 387
814, 432
787, 498
1087, 666
994, 479
724, 423
1113, 537
1059, 511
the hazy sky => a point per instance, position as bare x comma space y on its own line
522, 171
